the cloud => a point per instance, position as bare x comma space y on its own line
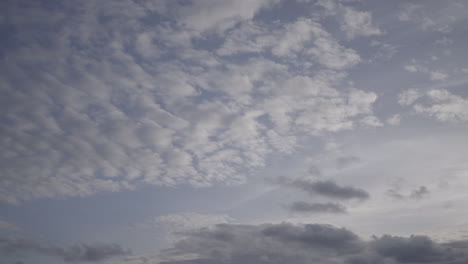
394, 120
434, 75
419, 193
289, 243
111, 101
325, 188
188, 221
305, 207
444, 106
6, 226
303, 40
73, 254
415, 194
409, 96
346, 161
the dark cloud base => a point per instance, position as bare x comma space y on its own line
73, 254
311, 243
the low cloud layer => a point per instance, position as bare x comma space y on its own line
312, 243
72, 254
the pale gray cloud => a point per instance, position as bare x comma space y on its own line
443, 105
312, 208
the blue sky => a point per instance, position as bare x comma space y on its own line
139, 131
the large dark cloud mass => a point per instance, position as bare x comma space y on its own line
73, 254
311, 243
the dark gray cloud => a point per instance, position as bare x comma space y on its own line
326, 188
416, 194
77, 253
415, 249
419, 193
305, 207
311, 243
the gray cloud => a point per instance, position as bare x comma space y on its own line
343, 162
305, 207
419, 193
326, 188
415, 194
77, 253
298, 244
415, 249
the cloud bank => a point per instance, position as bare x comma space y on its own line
289, 243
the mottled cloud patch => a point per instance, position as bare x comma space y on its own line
110, 101
440, 104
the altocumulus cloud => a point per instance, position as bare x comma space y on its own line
316, 243
97, 97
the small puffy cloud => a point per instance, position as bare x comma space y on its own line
371, 121
394, 120
434, 75
438, 76
409, 96
316, 208
358, 23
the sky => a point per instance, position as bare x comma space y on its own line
233, 132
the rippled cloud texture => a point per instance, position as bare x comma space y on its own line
173, 131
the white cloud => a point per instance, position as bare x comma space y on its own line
434, 75
371, 121
358, 23
302, 39
409, 96
438, 76
444, 106
394, 120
